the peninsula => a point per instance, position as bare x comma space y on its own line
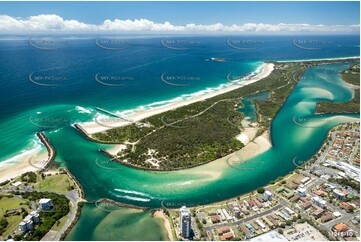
201, 130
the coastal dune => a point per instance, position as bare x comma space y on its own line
95, 127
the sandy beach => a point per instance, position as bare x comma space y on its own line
23, 165
95, 127
159, 214
116, 149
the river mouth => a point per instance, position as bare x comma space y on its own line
197, 185
296, 132
218, 181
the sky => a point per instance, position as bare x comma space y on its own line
180, 17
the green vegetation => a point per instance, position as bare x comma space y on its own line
60, 183
4, 183
351, 76
3, 225
347, 182
28, 177
60, 223
13, 210
203, 131
48, 218
260, 190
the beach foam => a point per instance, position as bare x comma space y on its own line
83, 110
33, 150
133, 192
154, 108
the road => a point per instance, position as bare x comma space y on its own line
52, 235
258, 215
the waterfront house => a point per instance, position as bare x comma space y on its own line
45, 204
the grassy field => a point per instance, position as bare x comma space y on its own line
13, 220
55, 183
57, 226
9, 203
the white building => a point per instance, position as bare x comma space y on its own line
35, 216
260, 224
338, 194
290, 211
22, 226
45, 204
185, 221
336, 214
16, 184
226, 214
319, 202
301, 192
267, 194
28, 220
237, 212
270, 236
304, 180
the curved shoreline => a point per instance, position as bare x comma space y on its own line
24, 165
322, 59
262, 138
94, 127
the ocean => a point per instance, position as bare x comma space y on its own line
48, 87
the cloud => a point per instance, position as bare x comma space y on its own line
55, 23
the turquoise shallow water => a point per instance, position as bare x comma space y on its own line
212, 182
27, 108
248, 108
125, 224
195, 186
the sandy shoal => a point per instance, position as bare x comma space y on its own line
160, 215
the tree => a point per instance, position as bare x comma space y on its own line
3, 223
260, 190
